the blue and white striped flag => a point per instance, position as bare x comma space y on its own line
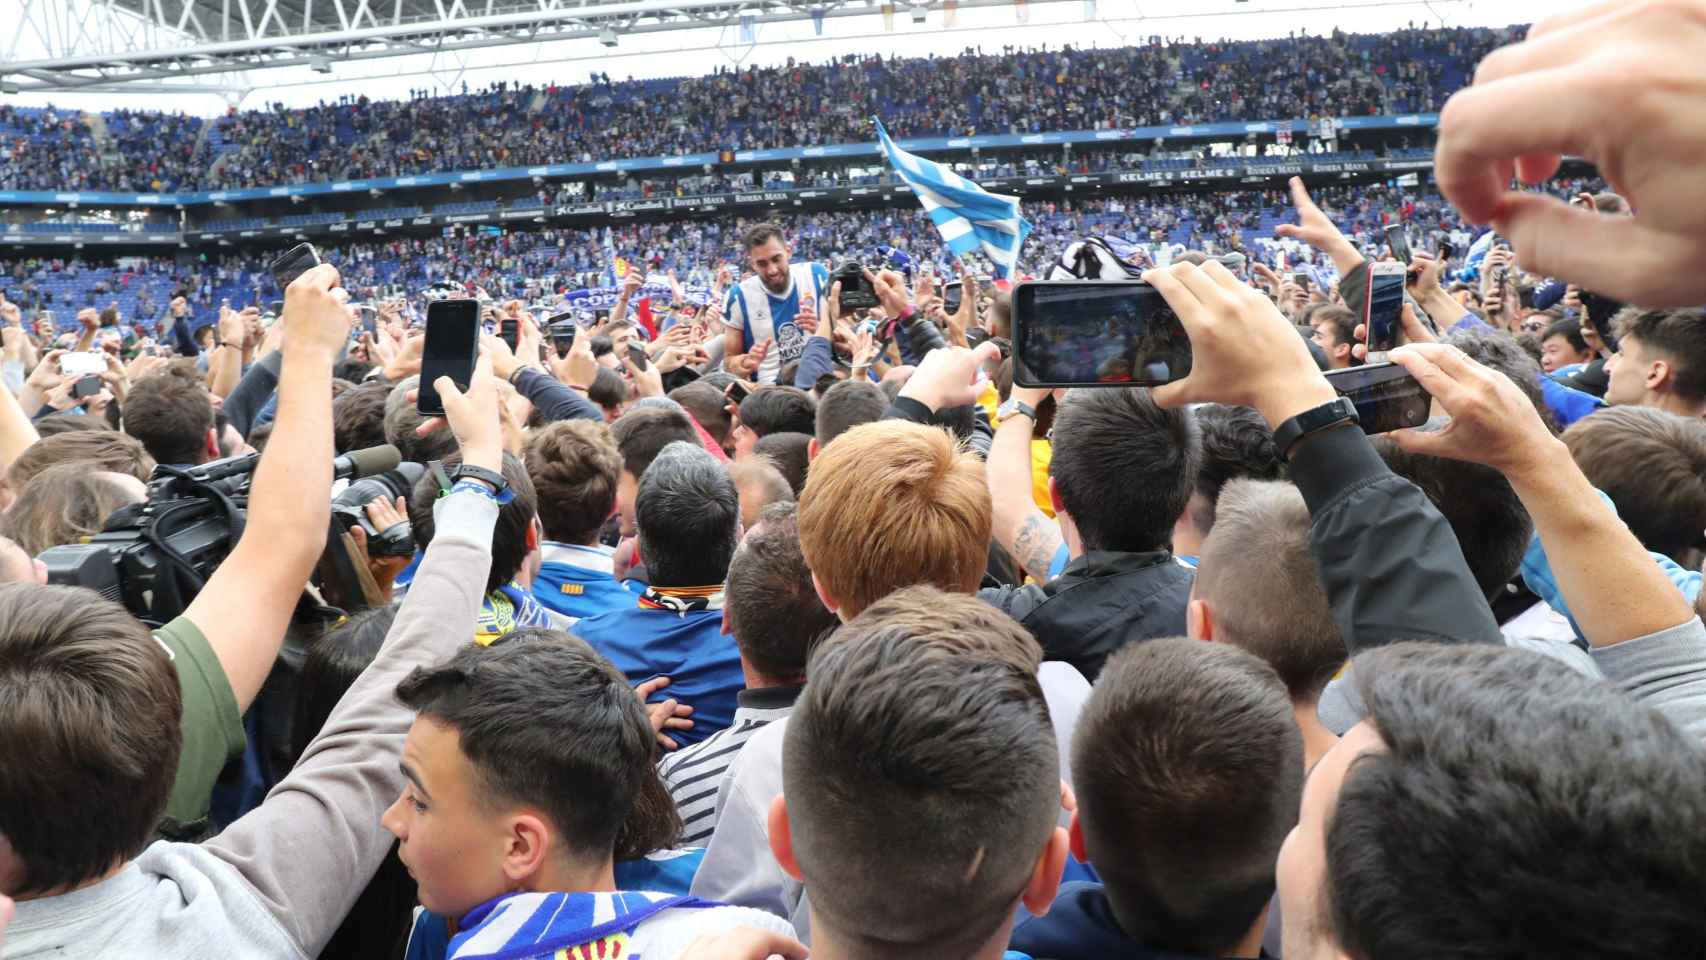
970, 218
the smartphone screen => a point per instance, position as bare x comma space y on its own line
82, 364
637, 354
452, 345
952, 294
1399, 243
562, 329
1075, 333
509, 330
1385, 306
294, 263
1387, 397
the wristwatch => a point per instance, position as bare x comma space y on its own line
489, 477
1339, 410
1016, 408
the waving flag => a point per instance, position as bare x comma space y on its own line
970, 218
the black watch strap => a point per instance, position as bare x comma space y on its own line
1338, 411
497, 481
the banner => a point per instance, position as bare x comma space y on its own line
593, 299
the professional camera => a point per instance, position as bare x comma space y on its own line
857, 293
350, 508
155, 556
922, 336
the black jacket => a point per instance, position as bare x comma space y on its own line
1100, 603
1081, 926
1390, 564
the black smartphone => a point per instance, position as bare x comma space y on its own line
637, 354
1600, 310
1088, 333
1398, 242
295, 262
509, 330
1301, 279
1446, 250
737, 391
1382, 315
1387, 397
952, 294
452, 345
86, 386
562, 328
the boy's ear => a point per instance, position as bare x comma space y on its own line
1045, 877
529, 843
782, 838
1075, 838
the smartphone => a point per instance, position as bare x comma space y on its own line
1446, 250
275, 307
294, 263
637, 354
1382, 311
952, 294
562, 328
82, 364
1600, 310
86, 387
737, 392
1301, 279
452, 345
1087, 333
509, 330
1398, 242
1279, 261
1387, 397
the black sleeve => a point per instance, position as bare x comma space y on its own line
1390, 564
252, 392
906, 408
553, 400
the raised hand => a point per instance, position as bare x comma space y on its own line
1619, 84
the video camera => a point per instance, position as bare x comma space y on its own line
155, 556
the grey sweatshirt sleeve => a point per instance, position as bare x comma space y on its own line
308, 851
1665, 670
251, 393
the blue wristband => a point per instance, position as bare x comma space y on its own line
475, 486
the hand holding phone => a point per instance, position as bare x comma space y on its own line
1398, 242
1387, 396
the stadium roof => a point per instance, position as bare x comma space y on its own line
95, 44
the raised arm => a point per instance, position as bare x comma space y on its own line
308, 851
1390, 564
1023, 531
247, 603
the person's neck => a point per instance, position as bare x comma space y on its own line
1251, 945
563, 876
72, 887
758, 680
1671, 403
1317, 739
828, 944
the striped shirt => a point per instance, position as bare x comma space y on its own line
693, 774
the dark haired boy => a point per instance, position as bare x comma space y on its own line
512, 830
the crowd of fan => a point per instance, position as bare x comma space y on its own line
507, 125
776, 628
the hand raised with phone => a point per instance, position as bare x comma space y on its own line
1244, 352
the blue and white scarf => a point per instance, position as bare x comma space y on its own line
575, 926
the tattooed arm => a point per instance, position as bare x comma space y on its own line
1021, 529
